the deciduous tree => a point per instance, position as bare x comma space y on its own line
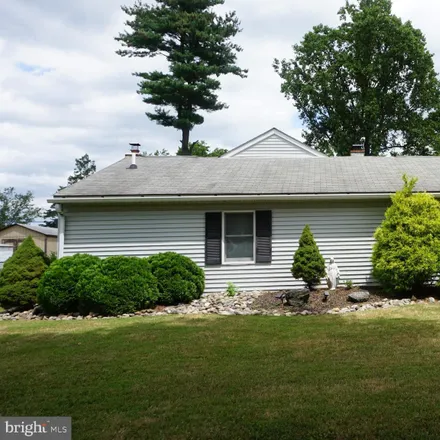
84, 167
202, 149
162, 152
372, 77
17, 208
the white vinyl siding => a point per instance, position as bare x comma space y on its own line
342, 230
274, 146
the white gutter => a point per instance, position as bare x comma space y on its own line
222, 198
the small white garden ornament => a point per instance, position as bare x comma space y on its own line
332, 275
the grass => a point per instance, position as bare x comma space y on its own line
363, 376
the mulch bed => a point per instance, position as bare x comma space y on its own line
337, 298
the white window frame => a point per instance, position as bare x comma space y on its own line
235, 262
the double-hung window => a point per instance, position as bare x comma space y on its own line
239, 236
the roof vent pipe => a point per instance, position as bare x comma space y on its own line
135, 151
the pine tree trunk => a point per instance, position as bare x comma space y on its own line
185, 142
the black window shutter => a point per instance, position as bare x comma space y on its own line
213, 238
264, 236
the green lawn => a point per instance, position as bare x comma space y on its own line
366, 376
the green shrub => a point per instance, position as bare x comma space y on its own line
117, 285
308, 262
21, 274
232, 289
52, 257
57, 292
179, 279
407, 249
349, 284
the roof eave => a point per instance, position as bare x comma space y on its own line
220, 198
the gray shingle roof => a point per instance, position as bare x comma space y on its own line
157, 176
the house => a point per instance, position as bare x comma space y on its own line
45, 238
240, 216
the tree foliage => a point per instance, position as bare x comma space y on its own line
407, 249
308, 262
84, 167
196, 43
17, 208
21, 274
162, 152
202, 149
197, 148
372, 77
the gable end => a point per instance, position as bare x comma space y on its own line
271, 144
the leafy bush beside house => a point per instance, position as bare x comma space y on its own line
308, 263
117, 285
21, 274
179, 279
57, 291
407, 250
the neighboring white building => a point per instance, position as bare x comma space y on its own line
238, 217
6, 252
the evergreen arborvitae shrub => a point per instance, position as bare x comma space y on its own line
21, 274
117, 285
57, 292
407, 249
308, 262
179, 279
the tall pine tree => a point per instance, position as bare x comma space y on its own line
197, 44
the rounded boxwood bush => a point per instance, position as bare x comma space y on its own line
57, 292
117, 285
179, 279
21, 274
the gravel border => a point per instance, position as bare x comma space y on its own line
219, 304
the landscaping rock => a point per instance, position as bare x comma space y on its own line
243, 304
38, 310
295, 298
359, 297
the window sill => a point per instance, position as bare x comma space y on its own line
238, 263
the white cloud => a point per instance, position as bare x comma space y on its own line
79, 97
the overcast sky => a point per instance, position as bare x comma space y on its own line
64, 92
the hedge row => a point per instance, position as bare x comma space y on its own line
111, 286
